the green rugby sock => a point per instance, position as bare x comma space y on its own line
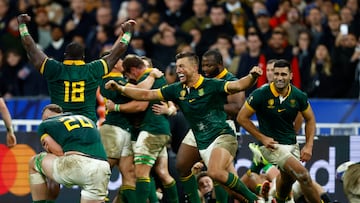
171, 192
221, 194
50, 201
152, 196
190, 188
142, 189
40, 201
234, 183
127, 194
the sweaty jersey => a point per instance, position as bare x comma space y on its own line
74, 133
152, 123
73, 84
115, 118
276, 114
203, 107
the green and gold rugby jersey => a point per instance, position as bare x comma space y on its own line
276, 114
115, 118
74, 133
152, 123
73, 84
203, 107
226, 75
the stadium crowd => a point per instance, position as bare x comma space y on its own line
320, 37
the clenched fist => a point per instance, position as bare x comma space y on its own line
23, 18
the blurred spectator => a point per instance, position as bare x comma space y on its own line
149, 21
103, 18
304, 54
347, 18
293, 25
219, 25
331, 31
56, 48
254, 56
54, 10
138, 45
262, 25
164, 48
278, 48
224, 45
344, 59
196, 37
104, 36
200, 20
315, 26
130, 10
21, 78
321, 75
239, 44
299, 4
174, 15
41, 29
239, 20
78, 21
184, 47
327, 7
256, 6
5, 15
281, 14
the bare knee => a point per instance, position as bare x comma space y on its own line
304, 178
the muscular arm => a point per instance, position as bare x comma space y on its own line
130, 107
245, 82
243, 119
120, 45
35, 55
234, 103
134, 93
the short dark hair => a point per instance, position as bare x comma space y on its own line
53, 108
190, 55
75, 51
217, 55
270, 61
282, 63
201, 175
132, 60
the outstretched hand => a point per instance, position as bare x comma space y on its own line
23, 18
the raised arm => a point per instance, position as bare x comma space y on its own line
121, 44
10, 136
245, 82
134, 93
35, 55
